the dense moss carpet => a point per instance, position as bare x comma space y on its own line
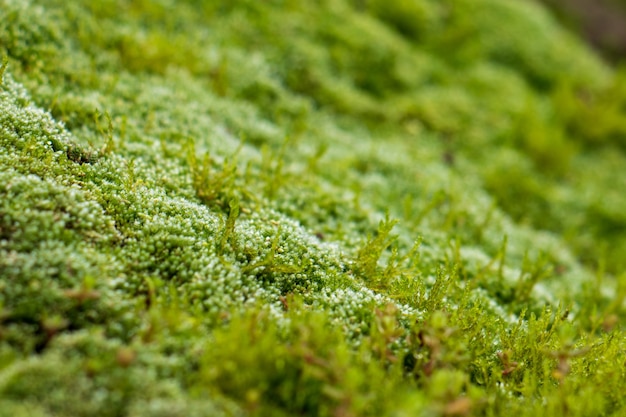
308, 208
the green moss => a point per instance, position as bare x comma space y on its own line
198, 204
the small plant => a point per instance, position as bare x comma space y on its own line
3, 68
268, 264
106, 132
229, 227
214, 184
367, 258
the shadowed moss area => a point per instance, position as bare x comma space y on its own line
284, 207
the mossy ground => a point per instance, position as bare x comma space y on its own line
285, 207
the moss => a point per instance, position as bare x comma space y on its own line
275, 208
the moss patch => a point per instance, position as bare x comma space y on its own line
274, 208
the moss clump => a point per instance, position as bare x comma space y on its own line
272, 208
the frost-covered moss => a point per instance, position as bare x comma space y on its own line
337, 208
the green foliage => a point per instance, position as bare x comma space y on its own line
305, 368
213, 185
411, 19
596, 118
3, 67
366, 263
191, 201
229, 225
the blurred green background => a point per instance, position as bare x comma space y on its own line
601, 22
